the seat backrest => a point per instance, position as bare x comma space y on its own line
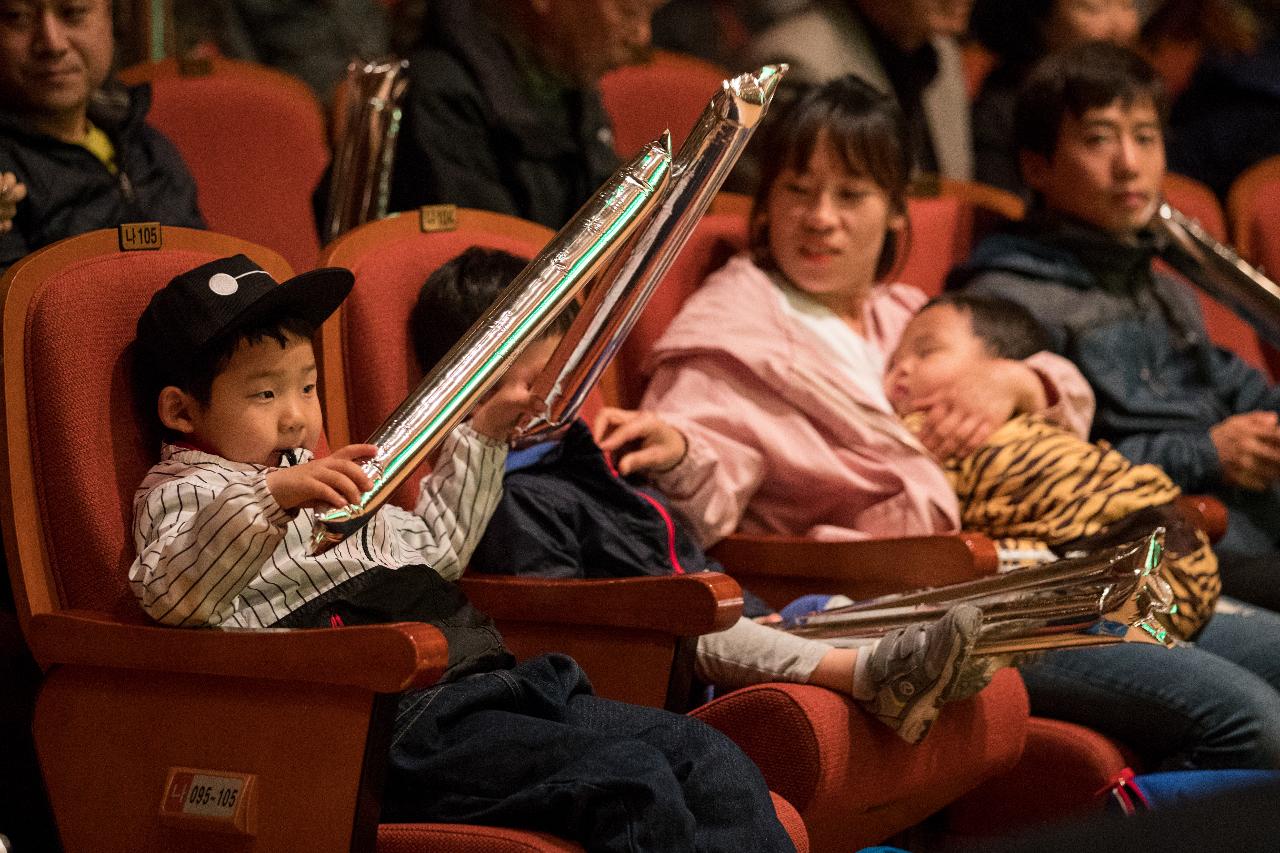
1252, 188
255, 141
1226, 328
366, 359
76, 447
670, 91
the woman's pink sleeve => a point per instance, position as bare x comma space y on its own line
1071, 401
724, 466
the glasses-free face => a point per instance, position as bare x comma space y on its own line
937, 347
1107, 169
593, 37
827, 227
263, 403
53, 55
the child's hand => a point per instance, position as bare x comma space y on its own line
497, 415
661, 446
334, 481
11, 192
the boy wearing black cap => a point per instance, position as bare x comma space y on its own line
222, 525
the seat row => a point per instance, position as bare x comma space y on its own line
125, 702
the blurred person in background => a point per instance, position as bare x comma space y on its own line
503, 111
903, 48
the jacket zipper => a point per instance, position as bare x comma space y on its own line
662, 513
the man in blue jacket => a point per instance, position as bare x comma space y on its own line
78, 147
1089, 128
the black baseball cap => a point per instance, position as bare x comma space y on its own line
222, 296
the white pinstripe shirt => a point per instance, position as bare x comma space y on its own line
216, 550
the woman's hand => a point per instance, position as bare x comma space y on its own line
959, 418
660, 445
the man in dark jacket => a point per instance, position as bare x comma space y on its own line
1089, 131
80, 146
503, 111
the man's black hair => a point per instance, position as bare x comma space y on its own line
1089, 76
1006, 329
458, 294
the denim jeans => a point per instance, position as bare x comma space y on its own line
1214, 704
532, 748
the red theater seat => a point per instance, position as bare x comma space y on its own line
670, 91
124, 702
255, 140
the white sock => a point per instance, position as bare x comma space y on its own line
863, 686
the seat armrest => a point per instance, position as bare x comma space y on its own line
1205, 512
779, 566
381, 658
687, 605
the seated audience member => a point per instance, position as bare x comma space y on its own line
1228, 116
907, 50
775, 371
503, 111
567, 512
222, 525
312, 41
78, 142
1089, 131
1033, 485
776, 364
1020, 33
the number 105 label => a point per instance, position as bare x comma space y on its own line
203, 794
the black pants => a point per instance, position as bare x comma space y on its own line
532, 748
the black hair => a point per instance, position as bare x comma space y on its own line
458, 294
1085, 77
863, 125
1006, 329
196, 378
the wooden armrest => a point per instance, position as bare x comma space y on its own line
686, 605
1206, 512
381, 658
776, 567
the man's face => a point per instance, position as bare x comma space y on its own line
1107, 170
597, 36
53, 55
913, 22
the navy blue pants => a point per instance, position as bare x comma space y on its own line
532, 748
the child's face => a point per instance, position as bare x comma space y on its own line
263, 403
1107, 170
827, 227
937, 348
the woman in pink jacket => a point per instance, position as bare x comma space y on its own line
774, 369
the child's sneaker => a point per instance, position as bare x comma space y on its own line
914, 670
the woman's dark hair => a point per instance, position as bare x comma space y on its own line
864, 126
458, 294
1085, 77
1006, 329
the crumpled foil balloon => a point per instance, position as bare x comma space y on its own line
615, 301
1219, 271
528, 305
1113, 596
365, 144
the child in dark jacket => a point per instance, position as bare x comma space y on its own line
568, 511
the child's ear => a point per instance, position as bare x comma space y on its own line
1035, 169
176, 409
